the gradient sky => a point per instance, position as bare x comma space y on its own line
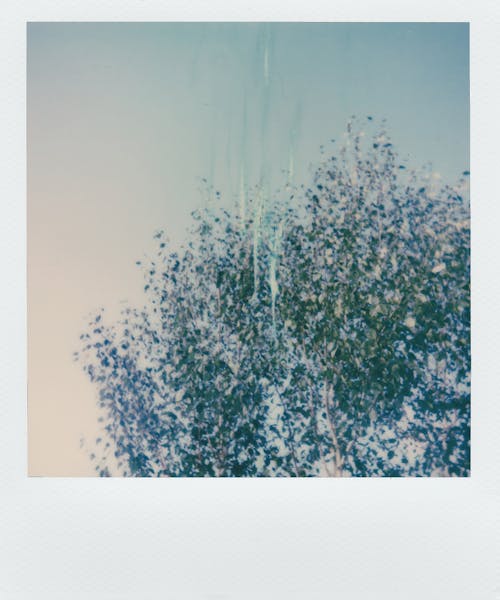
125, 119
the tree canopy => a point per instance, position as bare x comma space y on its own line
319, 331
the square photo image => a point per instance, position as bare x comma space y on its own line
248, 249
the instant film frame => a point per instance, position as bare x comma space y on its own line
286, 539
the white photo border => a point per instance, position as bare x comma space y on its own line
122, 539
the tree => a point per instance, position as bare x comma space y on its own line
326, 333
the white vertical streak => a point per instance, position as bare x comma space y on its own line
273, 281
256, 238
266, 64
242, 197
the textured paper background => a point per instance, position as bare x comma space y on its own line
271, 539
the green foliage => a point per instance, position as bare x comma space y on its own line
327, 334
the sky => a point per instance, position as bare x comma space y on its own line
125, 120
